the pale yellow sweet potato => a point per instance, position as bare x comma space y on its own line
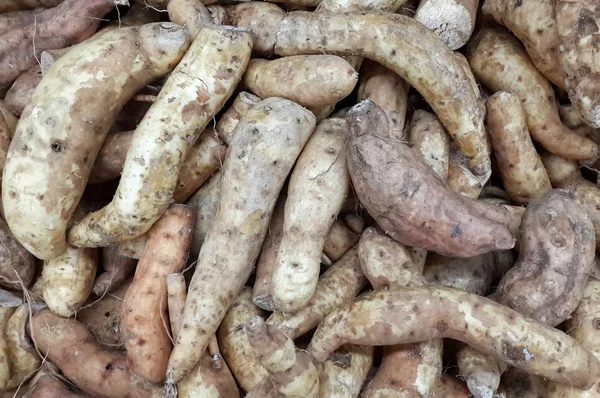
68, 279
523, 174
231, 117
407, 315
317, 190
411, 369
103, 317
216, 59
207, 381
382, 37
234, 343
20, 93
388, 90
176, 296
534, 23
577, 23
291, 371
453, 21
23, 358
339, 284
429, 138
190, 14
343, 374
144, 322
97, 371
268, 140
400, 191
17, 265
38, 206
500, 62
313, 81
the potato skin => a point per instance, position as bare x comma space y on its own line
21, 5
555, 259
99, 372
412, 314
64, 125
398, 189
429, 138
383, 37
345, 372
20, 93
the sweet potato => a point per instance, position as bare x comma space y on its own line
103, 317
144, 321
382, 38
534, 23
313, 81
47, 384
176, 296
413, 314
571, 119
500, 63
343, 374
480, 371
17, 265
190, 14
316, 192
340, 6
411, 369
396, 186
267, 141
564, 174
429, 138
137, 15
583, 327
520, 384
38, 209
111, 157
216, 59
70, 22
473, 274
205, 202
555, 259
234, 343
68, 279
339, 240
577, 23
116, 268
23, 358
460, 179
80, 363
339, 284
231, 117
523, 174
388, 90
20, 93
262, 19
453, 21
291, 371
20, 5
207, 381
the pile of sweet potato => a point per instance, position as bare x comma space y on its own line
314, 198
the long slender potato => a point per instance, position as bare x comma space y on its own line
267, 141
205, 202
20, 93
313, 81
22, 356
116, 268
95, 370
383, 38
292, 371
70, 22
577, 23
344, 373
235, 347
144, 321
231, 117
388, 90
339, 284
534, 23
500, 63
317, 190
216, 59
429, 138
401, 193
453, 21
412, 314
583, 327
522, 171
86, 85
67, 280
411, 369
564, 173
